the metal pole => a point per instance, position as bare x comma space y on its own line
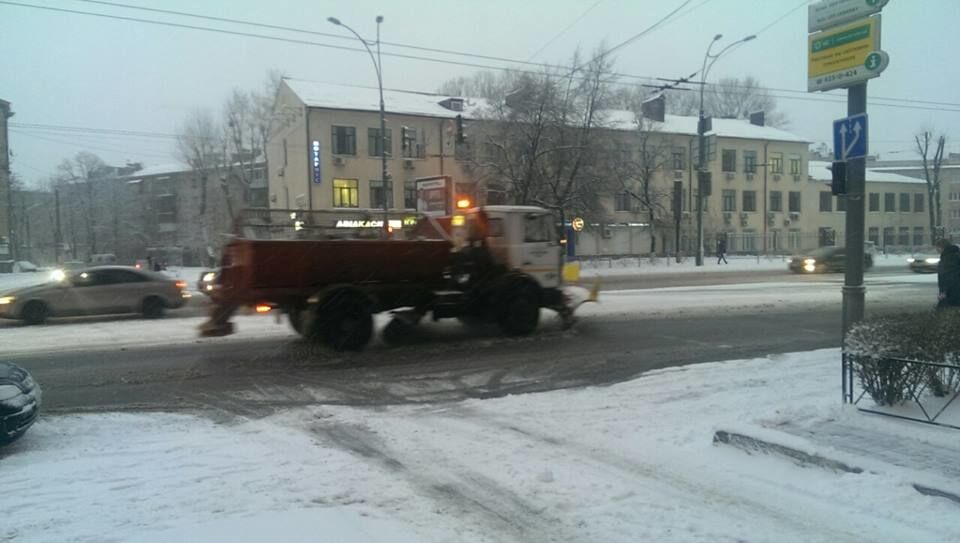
384, 176
57, 236
853, 288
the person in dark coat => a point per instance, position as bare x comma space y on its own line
948, 274
722, 250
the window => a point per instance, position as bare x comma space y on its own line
116, 277
749, 200
776, 200
410, 194
826, 236
826, 202
679, 158
794, 164
887, 236
917, 235
841, 203
537, 227
776, 163
166, 208
904, 238
374, 142
904, 201
728, 200
918, 203
955, 196
683, 200
889, 201
621, 201
794, 202
729, 160
874, 201
378, 195
344, 140
749, 241
284, 151
413, 146
346, 193
793, 239
750, 161
873, 235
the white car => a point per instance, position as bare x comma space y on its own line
95, 291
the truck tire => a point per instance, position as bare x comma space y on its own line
343, 321
519, 312
295, 316
35, 312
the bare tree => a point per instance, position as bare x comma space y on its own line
638, 176
931, 172
484, 84
83, 175
729, 98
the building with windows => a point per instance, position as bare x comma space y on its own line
896, 218
325, 151
949, 187
6, 186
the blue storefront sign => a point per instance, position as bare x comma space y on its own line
315, 157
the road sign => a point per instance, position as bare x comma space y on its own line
577, 224
830, 13
845, 56
850, 138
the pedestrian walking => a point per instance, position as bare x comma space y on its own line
722, 250
948, 274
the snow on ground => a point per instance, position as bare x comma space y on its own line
77, 334
641, 266
630, 462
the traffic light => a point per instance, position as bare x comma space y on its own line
461, 137
704, 181
838, 173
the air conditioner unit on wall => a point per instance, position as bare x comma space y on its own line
727, 217
408, 164
678, 174
796, 177
607, 233
776, 177
749, 177
338, 161
786, 222
280, 171
730, 176
794, 216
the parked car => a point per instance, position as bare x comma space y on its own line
826, 260
923, 264
95, 291
19, 402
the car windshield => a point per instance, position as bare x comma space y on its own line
479, 270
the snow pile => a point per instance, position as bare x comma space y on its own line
631, 462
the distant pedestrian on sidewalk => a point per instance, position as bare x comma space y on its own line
722, 250
948, 274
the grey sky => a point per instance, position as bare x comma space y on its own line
77, 70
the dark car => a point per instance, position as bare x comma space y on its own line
19, 402
826, 260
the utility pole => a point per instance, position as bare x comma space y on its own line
57, 235
853, 288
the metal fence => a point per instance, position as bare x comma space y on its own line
902, 388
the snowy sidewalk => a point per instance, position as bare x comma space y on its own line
630, 462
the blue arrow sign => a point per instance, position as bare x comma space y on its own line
850, 138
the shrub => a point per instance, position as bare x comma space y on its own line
872, 346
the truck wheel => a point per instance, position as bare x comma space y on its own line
398, 331
295, 316
520, 314
344, 322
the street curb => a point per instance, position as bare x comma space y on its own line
751, 444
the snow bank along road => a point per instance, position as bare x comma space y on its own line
133, 365
629, 462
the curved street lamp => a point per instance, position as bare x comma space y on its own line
708, 61
377, 66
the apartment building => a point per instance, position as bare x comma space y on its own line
949, 189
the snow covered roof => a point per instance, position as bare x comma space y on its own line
914, 167
333, 96
724, 128
160, 169
821, 171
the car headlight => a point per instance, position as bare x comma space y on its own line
208, 277
5, 300
58, 275
810, 261
9, 392
932, 260
911, 260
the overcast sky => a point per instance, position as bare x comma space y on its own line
76, 70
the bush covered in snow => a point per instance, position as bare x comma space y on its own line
875, 347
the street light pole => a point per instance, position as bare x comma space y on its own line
377, 66
708, 61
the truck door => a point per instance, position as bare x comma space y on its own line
540, 250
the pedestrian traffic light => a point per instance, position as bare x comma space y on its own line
838, 173
704, 181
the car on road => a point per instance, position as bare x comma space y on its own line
923, 264
95, 291
207, 281
826, 260
19, 402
